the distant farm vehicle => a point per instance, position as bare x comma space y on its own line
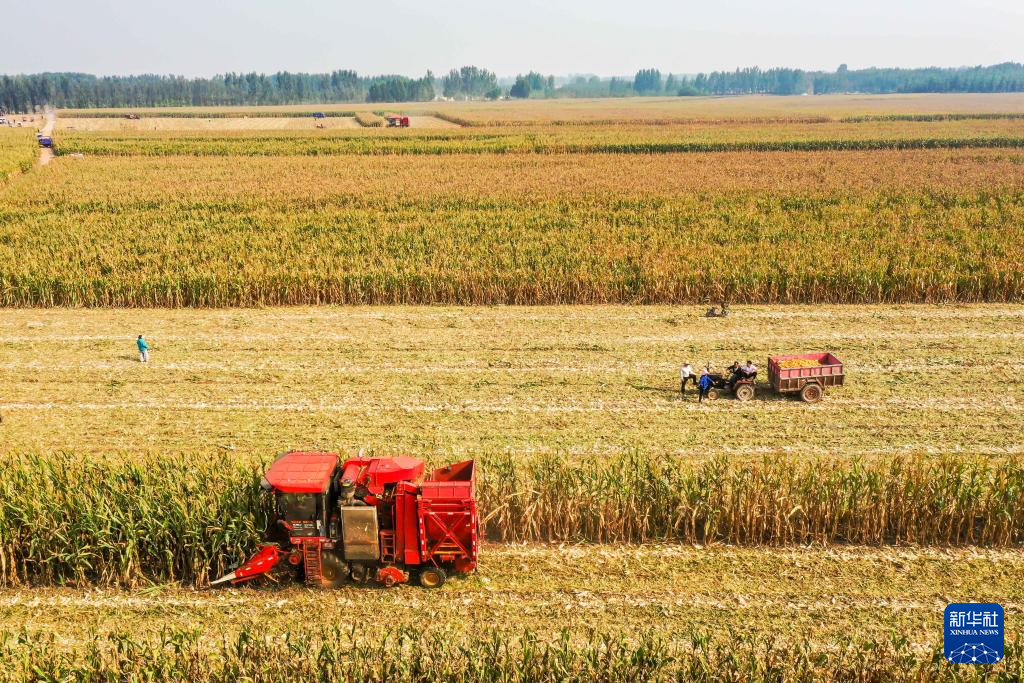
395, 121
45, 141
318, 115
133, 117
806, 375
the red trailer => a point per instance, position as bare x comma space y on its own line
367, 519
806, 374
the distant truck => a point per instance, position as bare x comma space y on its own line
318, 115
45, 141
395, 121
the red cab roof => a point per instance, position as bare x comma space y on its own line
302, 472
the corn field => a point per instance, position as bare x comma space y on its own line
539, 229
600, 138
399, 655
18, 151
124, 521
368, 119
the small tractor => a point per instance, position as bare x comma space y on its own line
396, 121
366, 519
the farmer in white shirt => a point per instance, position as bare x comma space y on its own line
749, 370
686, 374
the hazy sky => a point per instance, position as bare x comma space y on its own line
556, 36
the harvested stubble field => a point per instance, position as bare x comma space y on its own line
177, 124
699, 604
652, 110
447, 382
929, 225
662, 110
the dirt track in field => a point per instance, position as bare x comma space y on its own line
46, 153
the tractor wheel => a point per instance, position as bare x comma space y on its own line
811, 393
713, 394
332, 569
744, 392
432, 577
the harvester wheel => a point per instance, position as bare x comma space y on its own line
332, 569
432, 577
811, 393
744, 392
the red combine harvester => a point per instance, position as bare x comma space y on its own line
395, 121
367, 519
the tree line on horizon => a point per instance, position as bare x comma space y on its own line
22, 93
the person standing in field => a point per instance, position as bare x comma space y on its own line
686, 375
143, 349
703, 385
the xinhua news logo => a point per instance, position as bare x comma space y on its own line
974, 633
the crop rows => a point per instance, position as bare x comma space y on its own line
742, 136
343, 654
482, 230
185, 113
161, 518
18, 151
368, 119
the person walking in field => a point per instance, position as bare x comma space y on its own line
686, 376
703, 385
143, 349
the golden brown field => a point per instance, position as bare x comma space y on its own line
723, 541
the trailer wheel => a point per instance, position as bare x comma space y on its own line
811, 393
744, 392
713, 394
432, 577
332, 570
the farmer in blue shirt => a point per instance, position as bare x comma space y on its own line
143, 349
703, 385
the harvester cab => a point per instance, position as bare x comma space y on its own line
366, 519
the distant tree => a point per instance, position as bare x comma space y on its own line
671, 86
520, 89
647, 81
25, 93
493, 94
469, 81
